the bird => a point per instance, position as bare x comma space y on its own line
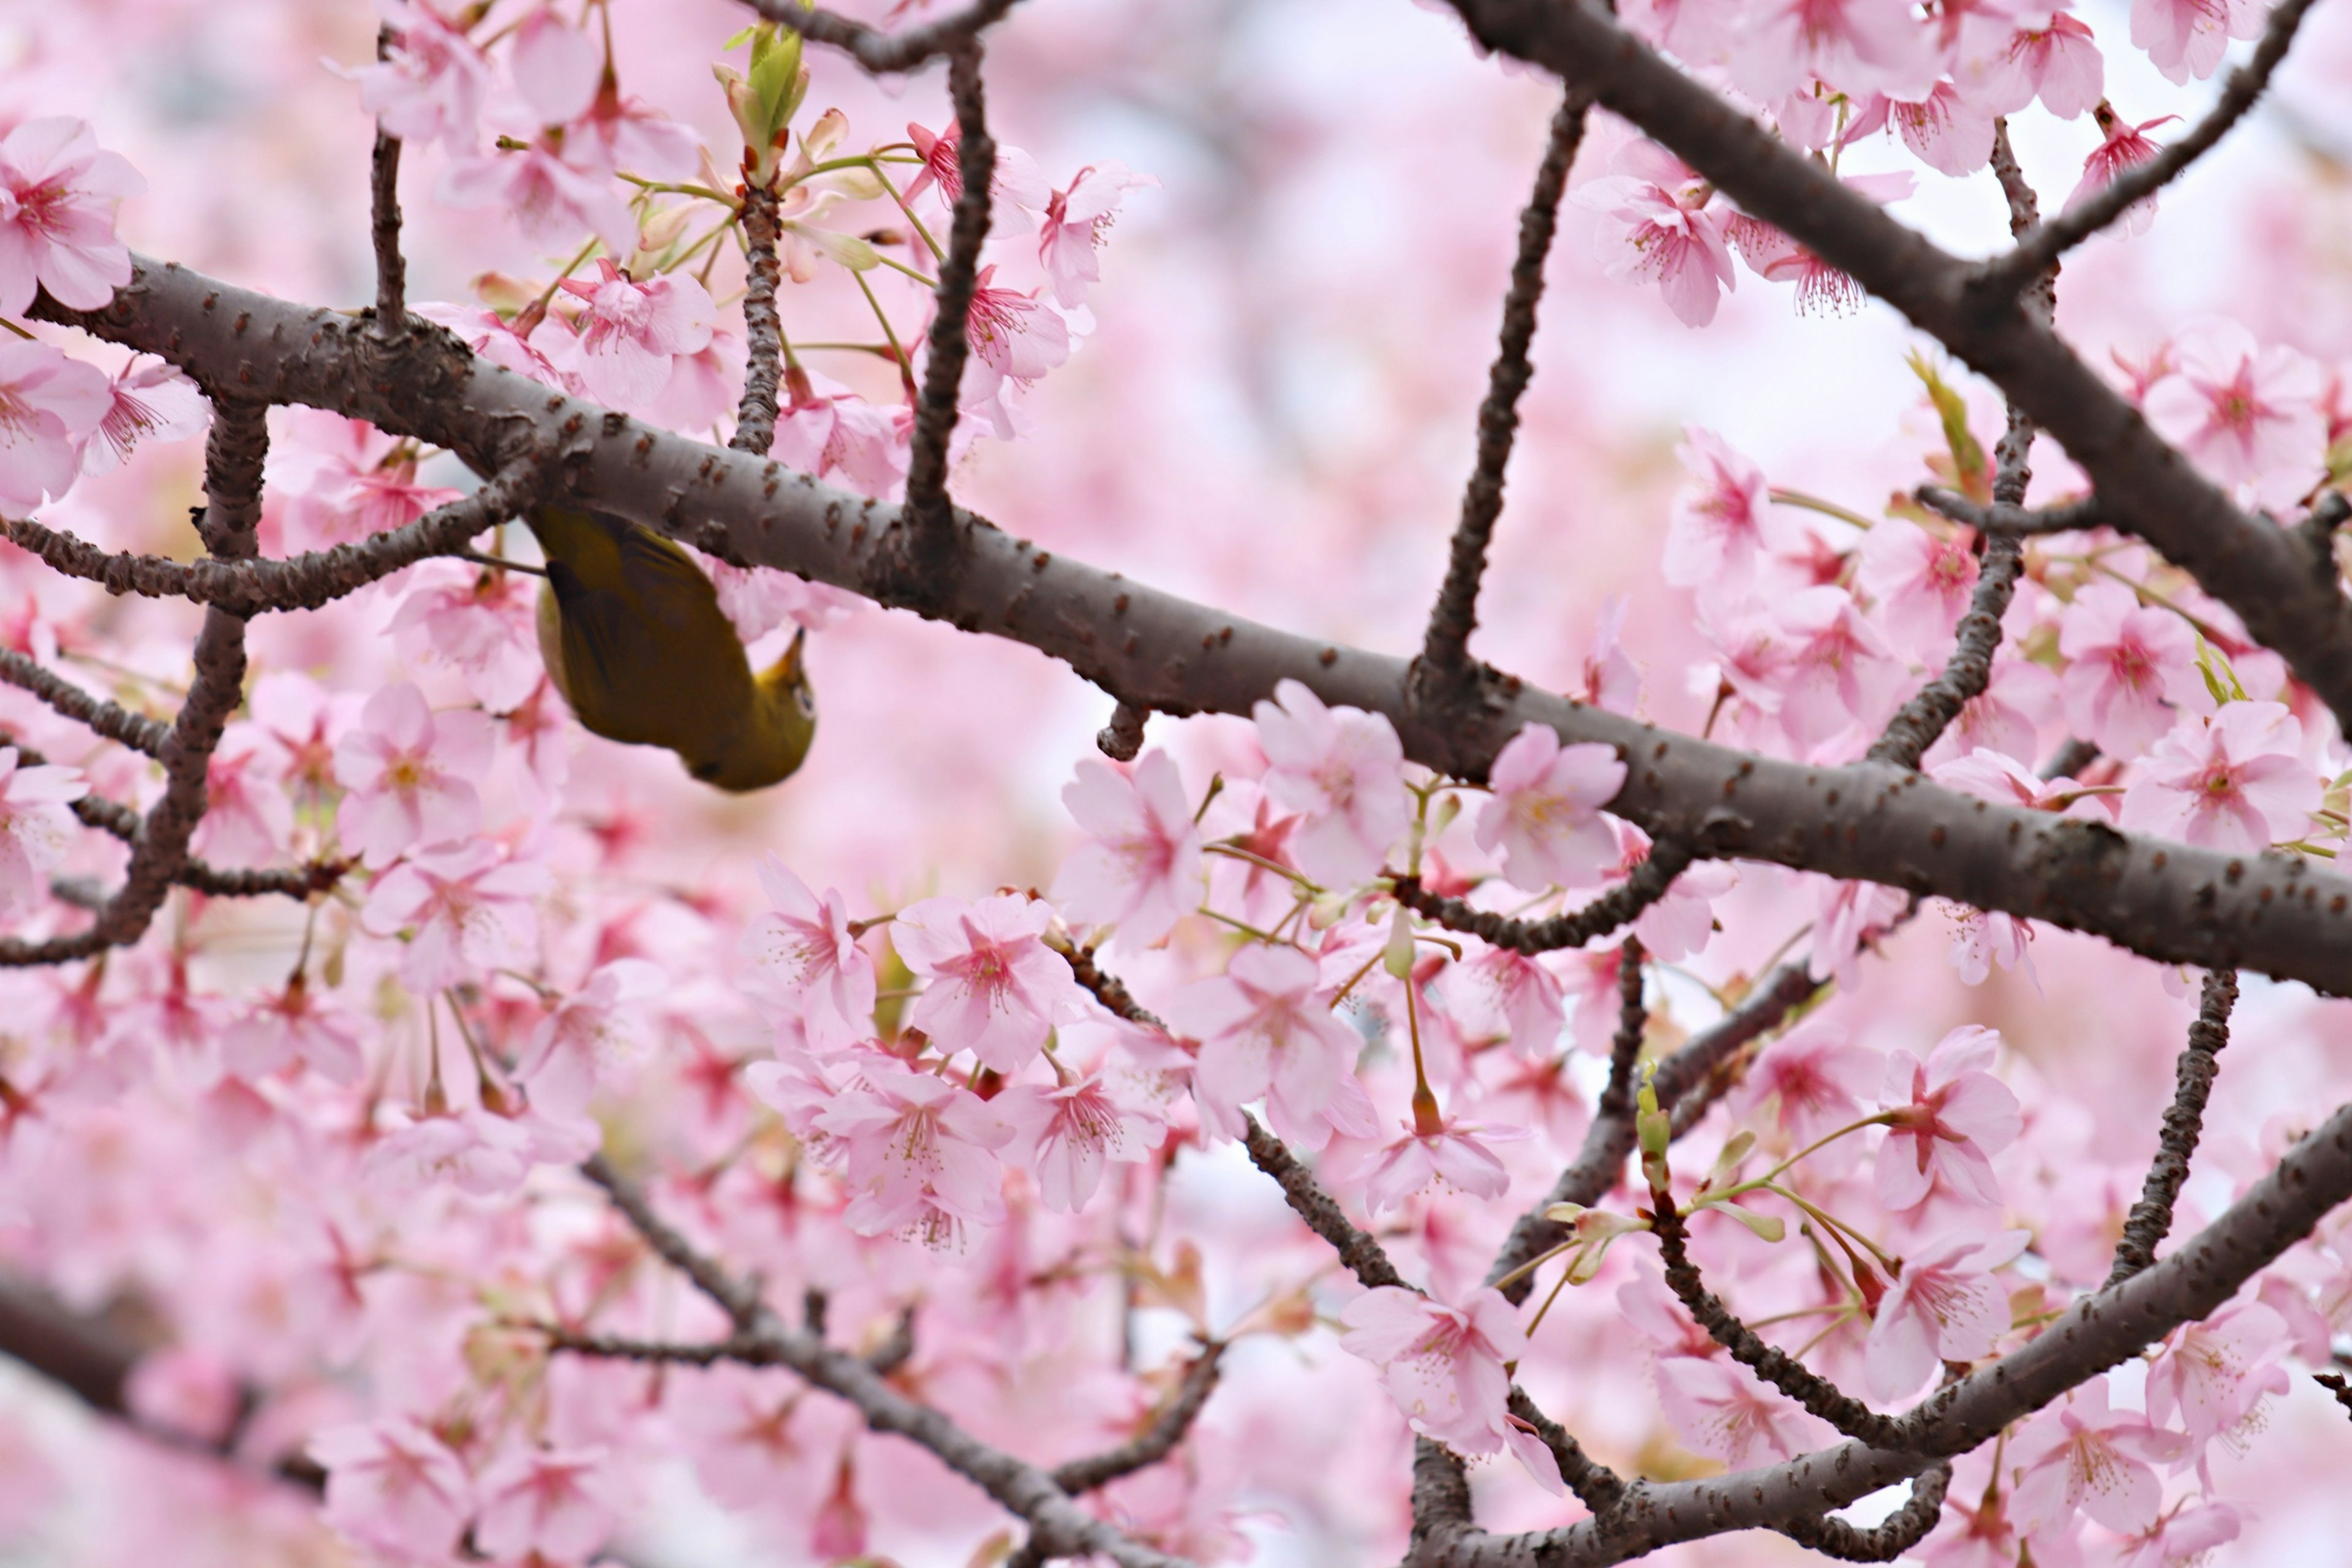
636, 645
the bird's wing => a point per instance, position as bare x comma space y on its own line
664, 577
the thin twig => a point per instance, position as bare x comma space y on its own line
2184, 1123
2069, 517
1168, 1428
2009, 273
383, 225
108, 719
1618, 906
1363, 1256
1597, 1485
1632, 1027
763, 335
1445, 648
881, 52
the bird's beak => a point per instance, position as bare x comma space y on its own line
791, 663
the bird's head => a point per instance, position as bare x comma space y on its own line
770, 748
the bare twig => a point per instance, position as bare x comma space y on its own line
1364, 1256
1620, 905
384, 223
2184, 1123
755, 417
2007, 274
2069, 517
108, 719
1445, 648
1168, 1425
881, 52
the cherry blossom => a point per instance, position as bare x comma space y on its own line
1444, 1366
996, 990
57, 196
1944, 1306
1612, 678
479, 622
1920, 582
1862, 46
149, 400
596, 1029
1264, 1031
555, 65
474, 1150
294, 1026
2212, 1375
2188, 38
1839, 672
1071, 1132
920, 1154
827, 428
1950, 1115
37, 825
1849, 917
393, 1486
1722, 516
1986, 939
1820, 285
2125, 662
2059, 63
2185, 1537
1015, 338
1544, 813
49, 405
347, 479
1814, 1078
553, 197
505, 343
2084, 1456
1453, 1155
1724, 1411
1341, 769
1141, 867
803, 953
631, 332
1520, 996
1078, 220
1950, 132
1656, 228
2234, 781
411, 773
433, 82
551, 1504
759, 599
463, 908
1679, 921
2005, 719
2250, 416
2122, 145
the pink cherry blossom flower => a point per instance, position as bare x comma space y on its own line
1839, 672
1679, 921
296, 1024
555, 65
1141, 868
37, 825
2001, 779
2187, 38
2005, 718
57, 196
478, 621
413, 774
1656, 228
347, 479
1849, 917
1945, 1305
1071, 1132
2060, 63
1920, 584
432, 81
1265, 1031
597, 1030
1722, 517
1342, 770
493, 337
1952, 134
1985, 940
1951, 1117
1078, 220
2083, 1456
2123, 662
1722, 1410
2249, 416
185, 1391
1611, 677
2234, 781
464, 909
1014, 336
1444, 1366
1500, 987
49, 405
1453, 1155
995, 989
802, 954
1820, 285
395, 1486
2122, 145
1861, 46
478, 1154
1544, 813
554, 1505
827, 428
149, 400
552, 199
631, 332
2214, 1374
920, 1155
1814, 1078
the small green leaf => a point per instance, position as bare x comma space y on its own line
1765, 1227
1969, 472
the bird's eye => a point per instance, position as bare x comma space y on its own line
706, 771
807, 700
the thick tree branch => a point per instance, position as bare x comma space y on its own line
2273, 913
1445, 649
1060, 1527
2184, 1123
2037, 251
883, 53
2256, 569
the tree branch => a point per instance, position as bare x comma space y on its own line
763, 329
1169, 1427
2037, 251
1618, 906
1364, 1255
2184, 1123
2071, 517
1445, 649
881, 53
384, 223
107, 720
1898, 1532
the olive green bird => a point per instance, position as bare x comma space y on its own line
634, 639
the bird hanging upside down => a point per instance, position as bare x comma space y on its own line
634, 640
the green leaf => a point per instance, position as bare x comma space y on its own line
1969, 470
1765, 1227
